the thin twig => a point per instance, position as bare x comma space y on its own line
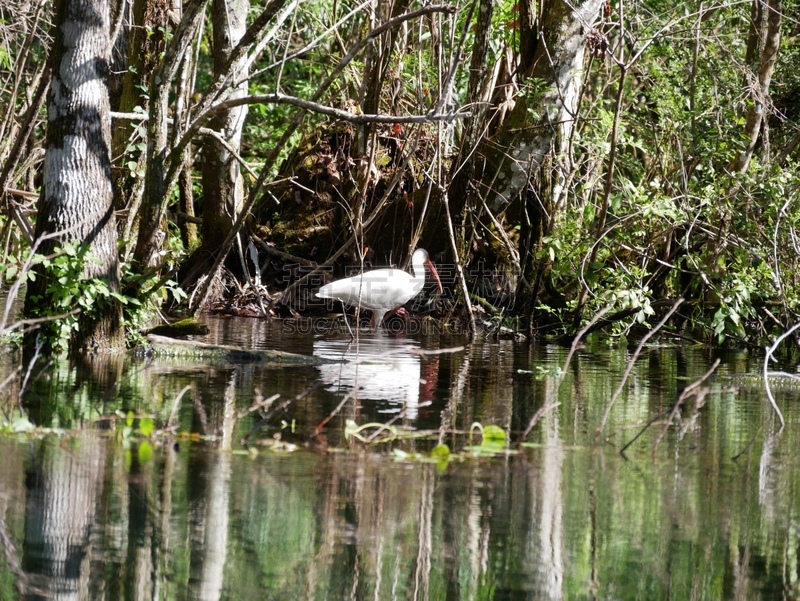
652, 420
260, 404
385, 426
459, 267
263, 421
31, 364
175, 405
749, 443
536, 417
348, 397
577, 341
341, 114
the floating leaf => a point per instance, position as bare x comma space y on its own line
494, 434
441, 452
146, 426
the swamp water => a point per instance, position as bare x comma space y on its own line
123, 510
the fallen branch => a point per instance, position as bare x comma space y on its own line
170, 347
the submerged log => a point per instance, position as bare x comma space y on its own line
169, 347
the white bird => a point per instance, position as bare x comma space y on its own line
382, 290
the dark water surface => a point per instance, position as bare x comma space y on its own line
123, 510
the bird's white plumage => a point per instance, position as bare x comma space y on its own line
381, 290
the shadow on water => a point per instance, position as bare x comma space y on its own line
135, 483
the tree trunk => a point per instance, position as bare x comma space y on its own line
152, 231
480, 78
146, 43
223, 184
762, 52
538, 130
522, 170
77, 201
61, 511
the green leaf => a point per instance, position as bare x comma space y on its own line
494, 434
440, 452
146, 426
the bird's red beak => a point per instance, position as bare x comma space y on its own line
434, 273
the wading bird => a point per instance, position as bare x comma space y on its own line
383, 290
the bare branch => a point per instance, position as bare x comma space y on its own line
767, 359
315, 107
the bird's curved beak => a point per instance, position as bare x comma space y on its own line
434, 273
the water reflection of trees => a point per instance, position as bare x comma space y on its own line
90, 515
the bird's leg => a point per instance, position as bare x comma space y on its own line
400, 313
376, 320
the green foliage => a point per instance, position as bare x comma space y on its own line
493, 440
68, 292
678, 223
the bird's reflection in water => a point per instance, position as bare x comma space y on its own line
375, 368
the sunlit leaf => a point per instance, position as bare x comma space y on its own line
441, 452
146, 426
494, 434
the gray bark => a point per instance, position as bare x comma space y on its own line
539, 128
146, 43
151, 234
223, 184
522, 171
77, 200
